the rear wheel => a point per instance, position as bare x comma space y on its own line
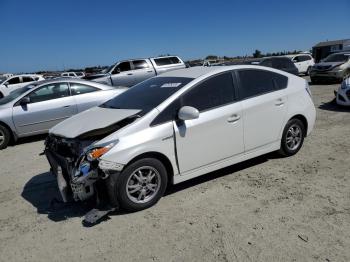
140, 185
292, 138
5, 136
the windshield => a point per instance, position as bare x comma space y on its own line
2, 79
337, 58
15, 94
148, 94
107, 70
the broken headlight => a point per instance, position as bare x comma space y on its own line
98, 151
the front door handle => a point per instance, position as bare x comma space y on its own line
234, 118
279, 102
130, 74
67, 106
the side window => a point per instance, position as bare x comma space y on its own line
267, 62
258, 82
79, 89
48, 92
14, 81
72, 74
296, 59
167, 61
122, 67
214, 92
140, 64
26, 79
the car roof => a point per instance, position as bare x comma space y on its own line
71, 80
198, 71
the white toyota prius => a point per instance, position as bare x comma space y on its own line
175, 127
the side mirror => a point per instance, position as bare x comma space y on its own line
25, 100
188, 113
6, 84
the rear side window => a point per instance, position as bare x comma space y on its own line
258, 82
79, 89
282, 63
71, 74
26, 79
140, 64
167, 61
214, 92
303, 58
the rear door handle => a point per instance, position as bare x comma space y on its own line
67, 106
150, 71
130, 74
234, 118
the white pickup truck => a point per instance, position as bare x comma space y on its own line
130, 72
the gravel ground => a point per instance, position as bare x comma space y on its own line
265, 209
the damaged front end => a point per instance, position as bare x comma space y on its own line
76, 166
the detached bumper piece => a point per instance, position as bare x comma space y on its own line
80, 180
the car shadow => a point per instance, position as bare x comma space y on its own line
42, 191
27, 140
333, 106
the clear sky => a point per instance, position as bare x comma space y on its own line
60, 34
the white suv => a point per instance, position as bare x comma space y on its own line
7, 85
177, 126
303, 62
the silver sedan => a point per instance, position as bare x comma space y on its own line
35, 108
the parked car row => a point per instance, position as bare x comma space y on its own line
37, 107
9, 84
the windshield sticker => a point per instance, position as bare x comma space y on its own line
166, 85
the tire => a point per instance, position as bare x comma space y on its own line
5, 137
314, 81
123, 184
292, 137
307, 73
1, 95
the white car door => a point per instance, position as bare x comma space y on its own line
264, 105
218, 132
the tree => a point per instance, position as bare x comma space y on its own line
211, 57
257, 54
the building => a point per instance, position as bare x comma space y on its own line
323, 49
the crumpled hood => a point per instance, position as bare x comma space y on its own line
89, 120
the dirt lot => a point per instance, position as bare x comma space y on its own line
266, 209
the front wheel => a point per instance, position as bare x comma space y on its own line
292, 137
140, 185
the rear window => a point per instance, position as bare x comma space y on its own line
167, 61
257, 82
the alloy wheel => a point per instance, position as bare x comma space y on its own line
2, 137
293, 137
143, 184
